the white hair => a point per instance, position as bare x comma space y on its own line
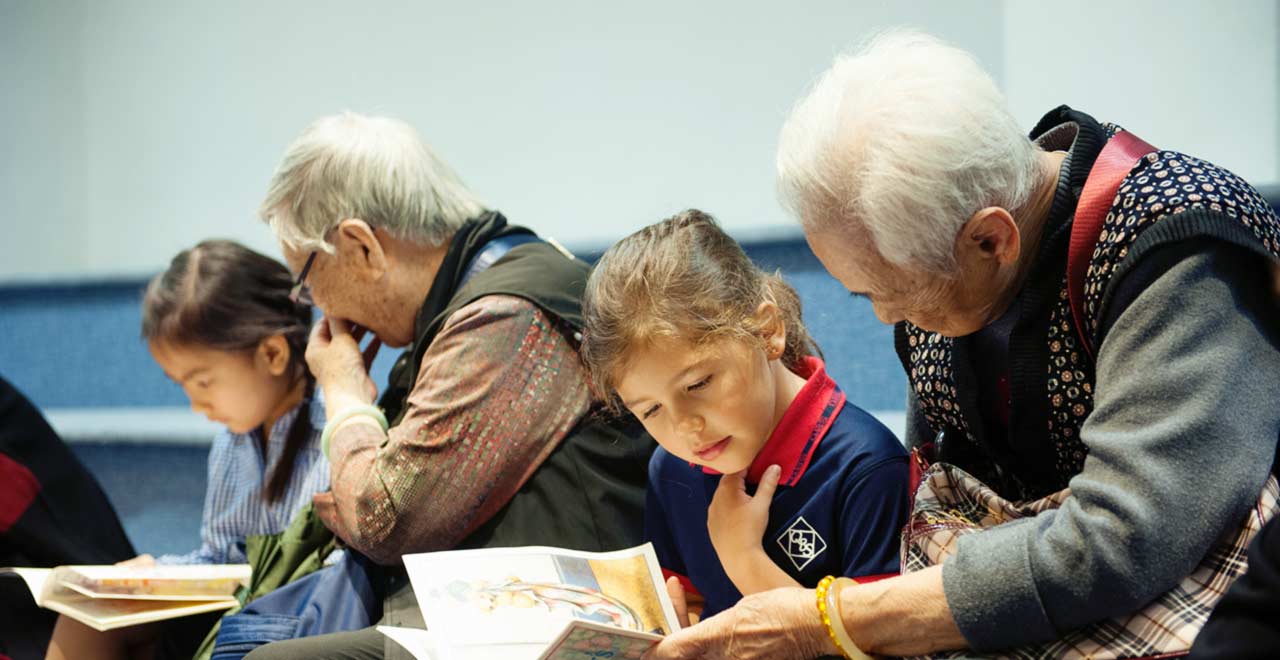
902, 142
376, 169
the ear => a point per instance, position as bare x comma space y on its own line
358, 247
990, 234
273, 354
772, 328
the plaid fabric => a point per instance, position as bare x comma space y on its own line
950, 503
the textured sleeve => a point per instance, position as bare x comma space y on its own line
1181, 440
497, 391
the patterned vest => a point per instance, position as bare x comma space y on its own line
1165, 188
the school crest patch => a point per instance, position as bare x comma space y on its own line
802, 543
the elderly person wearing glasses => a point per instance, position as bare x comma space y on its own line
484, 436
917, 189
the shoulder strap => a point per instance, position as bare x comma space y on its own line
1121, 153
493, 251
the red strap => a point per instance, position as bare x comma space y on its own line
18, 492
1119, 156
867, 579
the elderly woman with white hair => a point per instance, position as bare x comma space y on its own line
1131, 378
486, 434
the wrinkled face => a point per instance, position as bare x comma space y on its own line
953, 307
239, 390
338, 293
714, 406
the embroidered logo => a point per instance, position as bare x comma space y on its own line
801, 543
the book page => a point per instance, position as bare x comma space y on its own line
196, 582
34, 577
419, 643
110, 613
525, 597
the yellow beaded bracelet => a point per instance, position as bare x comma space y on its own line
836, 612
820, 593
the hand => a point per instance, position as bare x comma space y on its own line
775, 625
326, 509
141, 561
676, 591
736, 522
340, 368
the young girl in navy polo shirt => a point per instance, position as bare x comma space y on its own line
766, 477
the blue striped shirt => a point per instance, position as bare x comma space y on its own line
234, 505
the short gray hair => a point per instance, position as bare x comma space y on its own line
901, 142
376, 169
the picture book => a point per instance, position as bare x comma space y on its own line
537, 603
109, 597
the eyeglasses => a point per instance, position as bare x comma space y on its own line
301, 293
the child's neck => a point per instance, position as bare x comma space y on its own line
786, 385
291, 398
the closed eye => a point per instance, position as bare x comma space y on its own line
650, 412
699, 385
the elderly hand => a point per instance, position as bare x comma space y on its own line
736, 522
775, 625
340, 369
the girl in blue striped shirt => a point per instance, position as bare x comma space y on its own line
223, 323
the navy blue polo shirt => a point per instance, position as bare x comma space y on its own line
840, 505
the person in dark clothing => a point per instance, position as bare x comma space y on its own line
52, 512
1246, 622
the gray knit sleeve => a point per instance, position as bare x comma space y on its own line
1181, 439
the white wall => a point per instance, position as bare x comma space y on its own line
583, 119
1191, 76
134, 128
42, 149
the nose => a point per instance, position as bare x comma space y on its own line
689, 423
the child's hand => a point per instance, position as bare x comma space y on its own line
141, 561
737, 521
676, 591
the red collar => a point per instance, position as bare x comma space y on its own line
802, 427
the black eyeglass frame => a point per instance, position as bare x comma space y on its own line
301, 293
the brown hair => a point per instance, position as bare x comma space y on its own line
224, 296
682, 278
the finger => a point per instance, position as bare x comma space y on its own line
676, 591
768, 484
682, 645
320, 332
736, 482
339, 327
371, 352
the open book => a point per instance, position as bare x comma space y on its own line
108, 597
536, 603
